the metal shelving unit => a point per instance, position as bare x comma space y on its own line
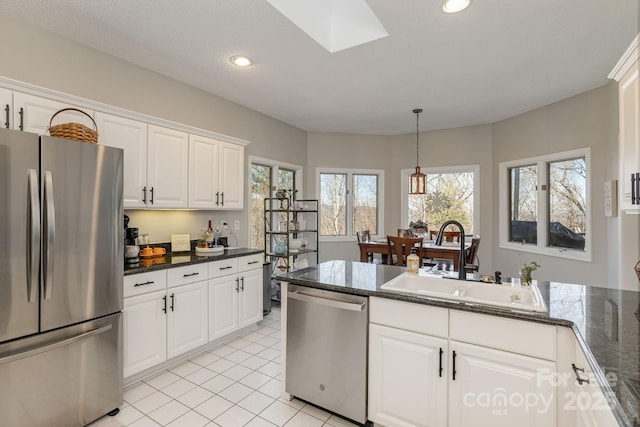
280, 218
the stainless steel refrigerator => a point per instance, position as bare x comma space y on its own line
61, 273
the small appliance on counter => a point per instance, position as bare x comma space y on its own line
132, 250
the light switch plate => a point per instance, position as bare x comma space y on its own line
180, 243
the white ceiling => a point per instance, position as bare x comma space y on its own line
494, 60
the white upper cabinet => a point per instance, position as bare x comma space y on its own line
6, 102
216, 174
33, 114
626, 74
204, 158
231, 176
131, 136
167, 168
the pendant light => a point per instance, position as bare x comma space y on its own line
418, 180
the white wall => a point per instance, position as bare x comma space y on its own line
44, 59
585, 120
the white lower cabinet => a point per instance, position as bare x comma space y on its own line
419, 375
235, 295
407, 378
187, 318
496, 388
145, 332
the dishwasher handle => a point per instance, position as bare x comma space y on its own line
343, 305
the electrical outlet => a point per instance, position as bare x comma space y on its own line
236, 224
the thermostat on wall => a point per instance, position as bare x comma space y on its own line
180, 243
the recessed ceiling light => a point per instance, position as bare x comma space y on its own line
241, 61
453, 6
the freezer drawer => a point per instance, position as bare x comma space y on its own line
64, 378
327, 350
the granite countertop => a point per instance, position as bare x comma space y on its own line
180, 259
606, 322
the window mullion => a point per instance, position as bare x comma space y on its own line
543, 205
349, 205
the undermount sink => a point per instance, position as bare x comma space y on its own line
515, 297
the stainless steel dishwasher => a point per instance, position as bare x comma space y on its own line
327, 350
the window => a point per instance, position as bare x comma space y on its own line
452, 193
266, 177
350, 201
547, 202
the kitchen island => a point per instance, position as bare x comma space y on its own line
604, 322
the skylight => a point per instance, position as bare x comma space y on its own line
334, 24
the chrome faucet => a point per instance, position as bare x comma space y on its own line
462, 275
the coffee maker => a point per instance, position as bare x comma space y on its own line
131, 249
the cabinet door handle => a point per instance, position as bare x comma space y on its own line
21, 114
237, 285
144, 194
6, 112
576, 371
440, 370
151, 195
217, 198
222, 198
252, 262
633, 188
172, 302
190, 274
145, 283
454, 365
637, 188
164, 304
242, 283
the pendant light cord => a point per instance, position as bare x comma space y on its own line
417, 111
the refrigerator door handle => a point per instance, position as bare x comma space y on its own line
33, 235
54, 345
50, 235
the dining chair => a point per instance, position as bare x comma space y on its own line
447, 236
401, 248
404, 232
363, 237
472, 254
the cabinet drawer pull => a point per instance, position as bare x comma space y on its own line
145, 283
576, 371
252, 262
190, 274
226, 268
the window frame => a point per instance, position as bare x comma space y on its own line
404, 188
275, 166
350, 233
541, 247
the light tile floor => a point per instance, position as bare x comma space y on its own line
236, 384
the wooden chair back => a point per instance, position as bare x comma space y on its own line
447, 236
401, 248
473, 250
363, 236
404, 232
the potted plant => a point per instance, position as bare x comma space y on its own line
525, 272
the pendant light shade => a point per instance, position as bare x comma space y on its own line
418, 180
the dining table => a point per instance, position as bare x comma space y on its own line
448, 250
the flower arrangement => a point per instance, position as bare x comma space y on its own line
525, 272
